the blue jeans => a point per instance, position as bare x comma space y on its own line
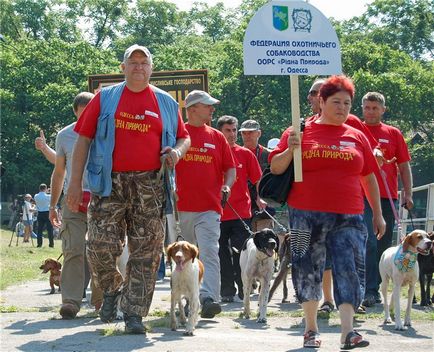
343, 236
375, 248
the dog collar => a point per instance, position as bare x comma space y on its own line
405, 260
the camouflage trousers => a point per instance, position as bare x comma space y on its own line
133, 209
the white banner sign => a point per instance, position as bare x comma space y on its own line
291, 38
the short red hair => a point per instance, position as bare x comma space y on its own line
336, 84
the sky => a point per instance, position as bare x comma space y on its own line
339, 9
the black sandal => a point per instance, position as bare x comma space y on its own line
354, 340
311, 339
326, 307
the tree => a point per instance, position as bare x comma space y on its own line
406, 25
216, 22
39, 81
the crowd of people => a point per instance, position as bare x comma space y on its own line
119, 181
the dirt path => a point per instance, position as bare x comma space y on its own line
36, 326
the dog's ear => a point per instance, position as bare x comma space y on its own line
257, 239
407, 242
194, 252
277, 241
431, 236
59, 265
170, 249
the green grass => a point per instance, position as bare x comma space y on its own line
21, 263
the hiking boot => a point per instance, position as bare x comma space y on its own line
109, 307
210, 308
68, 311
133, 324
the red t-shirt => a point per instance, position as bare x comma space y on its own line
333, 158
199, 174
354, 121
138, 128
392, 144
248, 169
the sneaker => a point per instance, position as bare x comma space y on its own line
68, 311
109, 307
210, 308
133, 324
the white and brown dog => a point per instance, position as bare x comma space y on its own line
400, 264
257, 262
185, 282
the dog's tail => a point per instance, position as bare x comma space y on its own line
285, 261
283, 272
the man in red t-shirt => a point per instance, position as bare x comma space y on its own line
202, 176
250, 133
394, 149
124, 131
237, 212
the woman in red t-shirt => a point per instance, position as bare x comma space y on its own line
326, 209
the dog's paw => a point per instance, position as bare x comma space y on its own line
261, 320
188, 333
52, 291
388, 321
399, 327
407, 323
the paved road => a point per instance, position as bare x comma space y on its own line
37, 327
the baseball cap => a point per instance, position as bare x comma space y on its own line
199, 96
250, 125
272, 143
134, 48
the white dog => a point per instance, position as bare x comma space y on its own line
400, 264
185, 282
257, 262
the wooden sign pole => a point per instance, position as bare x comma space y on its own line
295, 111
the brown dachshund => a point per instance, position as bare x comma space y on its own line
53, 266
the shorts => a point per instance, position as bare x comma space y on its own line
344, 237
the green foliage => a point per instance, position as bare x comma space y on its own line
405, 25
39, 83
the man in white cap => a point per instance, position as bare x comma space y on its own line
124, 131
204, 175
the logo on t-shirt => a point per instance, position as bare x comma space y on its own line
381, 140
348, 144
209, 145
151, 113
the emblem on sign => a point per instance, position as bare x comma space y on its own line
302, 20
280, 17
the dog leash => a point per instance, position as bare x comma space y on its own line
60, 256
392, 204
410, 214
281, 227
239, 217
